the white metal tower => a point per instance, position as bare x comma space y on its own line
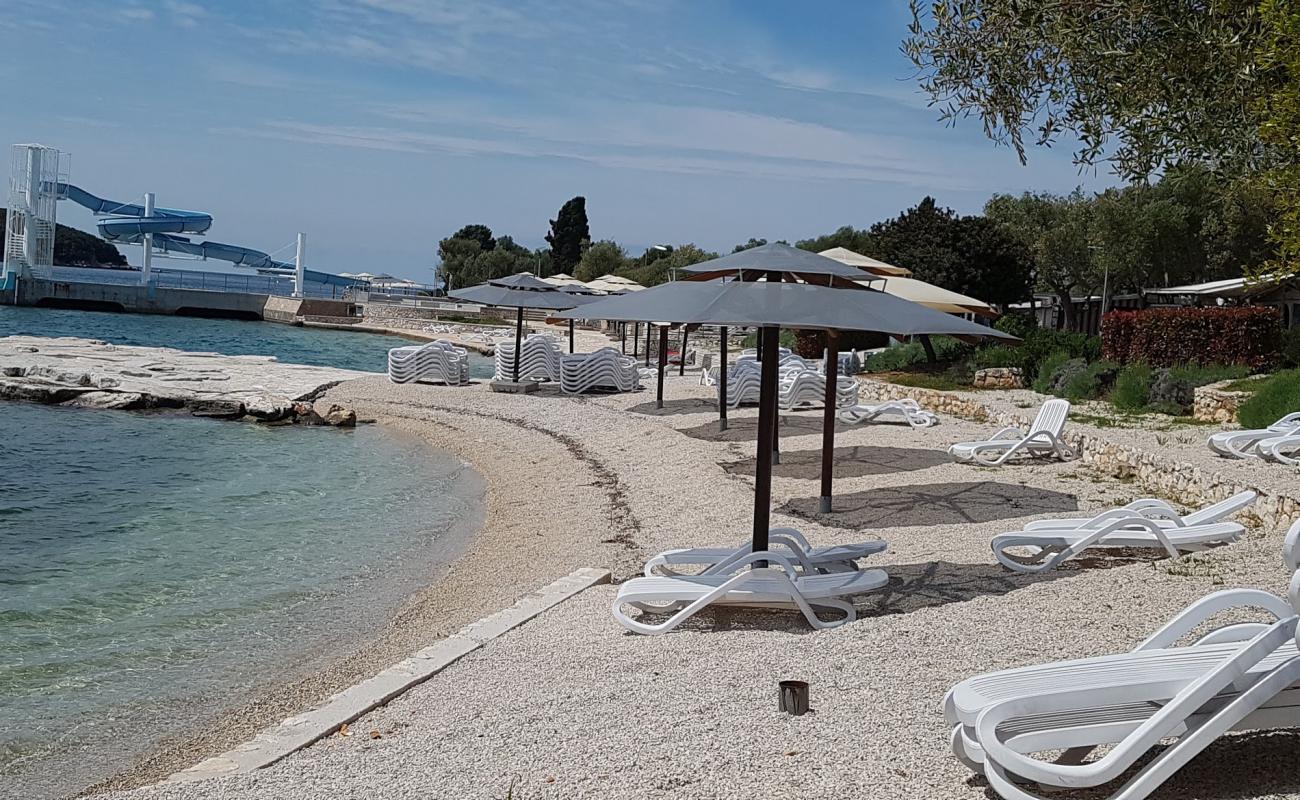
34, 178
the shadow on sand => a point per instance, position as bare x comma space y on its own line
745, 429
849, 462
933, 504
685, 405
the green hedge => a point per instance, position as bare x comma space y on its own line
946, 349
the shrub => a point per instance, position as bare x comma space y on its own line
812, 344
1277, 396
1164, 337
1073, 371
1043, 382
1042, 343
1211, 373
946, 349
1170, 394
998, 356
1132, 387
1017, 324
1290, 347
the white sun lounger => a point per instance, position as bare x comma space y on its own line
776, 586
1052, 547
1154, 509
907, 409
1282, 449
1242, 444
1043, 439
1239, 676
787, 541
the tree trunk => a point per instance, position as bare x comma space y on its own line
929, 349
1067, 311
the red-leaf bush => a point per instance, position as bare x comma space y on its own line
1165, 337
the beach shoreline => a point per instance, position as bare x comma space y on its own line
462, 589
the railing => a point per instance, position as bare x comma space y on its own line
387, 298
196, 280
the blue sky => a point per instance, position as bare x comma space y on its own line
380, 126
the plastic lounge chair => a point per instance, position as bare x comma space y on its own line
1282, 449
907, 409
788, 541
434, 362
1236, 677
1154, 509
775, 586
1043, 439
1241, 444
1052, 547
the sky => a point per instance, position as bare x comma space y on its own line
378, 127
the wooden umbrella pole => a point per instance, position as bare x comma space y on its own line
828, 418
622, 337
570, 336
519, 339
722, 380
663, 365
648, 326
681, 357
768, 339
636, 338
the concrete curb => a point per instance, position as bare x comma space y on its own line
301, 730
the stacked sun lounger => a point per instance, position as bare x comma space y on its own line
1143, 714
605, 369
538, 361
436, 362
1278, 442
906, 409
807, 387
790, 574
1147, 524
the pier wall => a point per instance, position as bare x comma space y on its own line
134, 298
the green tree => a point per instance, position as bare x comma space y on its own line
847, 237
477, 233
466, 261
660, 270
76, 248
1279, 111
1139, 83
602, 258
1055, 230
751, 244
570, 234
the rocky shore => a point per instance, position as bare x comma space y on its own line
88, 373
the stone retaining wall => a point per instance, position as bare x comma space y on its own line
1213, 404
1188, 484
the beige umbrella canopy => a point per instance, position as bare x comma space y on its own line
614, 284
563, 279
896, 281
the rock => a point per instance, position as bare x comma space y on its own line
306, 414
340, 417
265, 410
117, 401
217, 409
999, 378
37, 392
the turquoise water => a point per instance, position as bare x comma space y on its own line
147, 584
361, 351
159, 570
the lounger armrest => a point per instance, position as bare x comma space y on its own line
1205, 608
772, 559
1006, 433
1290, 420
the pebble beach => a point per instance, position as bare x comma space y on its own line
571, 705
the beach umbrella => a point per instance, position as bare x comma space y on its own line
519, 292
771, 305
579, 288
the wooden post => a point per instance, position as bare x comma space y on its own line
828, 418
519, 339
681, 357
570, 336
648, 326
768, 340
722, 380
794, 697
663, 365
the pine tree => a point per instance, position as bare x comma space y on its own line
569, 236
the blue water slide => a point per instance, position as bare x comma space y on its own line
128, 224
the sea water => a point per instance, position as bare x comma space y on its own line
157, 570
367, 352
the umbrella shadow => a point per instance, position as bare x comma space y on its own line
848, 462
745, 429
686, 405
913, 587
933, 504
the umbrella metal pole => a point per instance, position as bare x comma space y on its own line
663, 365
519, 339
570, 336
828, 418
767, 339
681, 357
722, 381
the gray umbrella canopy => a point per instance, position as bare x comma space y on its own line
781, 305
522, 280
492, 294
777, 258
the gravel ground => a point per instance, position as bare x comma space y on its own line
572, 706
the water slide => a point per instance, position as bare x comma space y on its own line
128, 224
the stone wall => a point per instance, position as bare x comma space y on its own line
1189, 484
1213, 403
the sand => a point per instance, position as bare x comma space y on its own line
570, 705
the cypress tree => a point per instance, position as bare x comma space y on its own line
569, 235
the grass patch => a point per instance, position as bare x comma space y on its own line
925, 380
1277, 396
